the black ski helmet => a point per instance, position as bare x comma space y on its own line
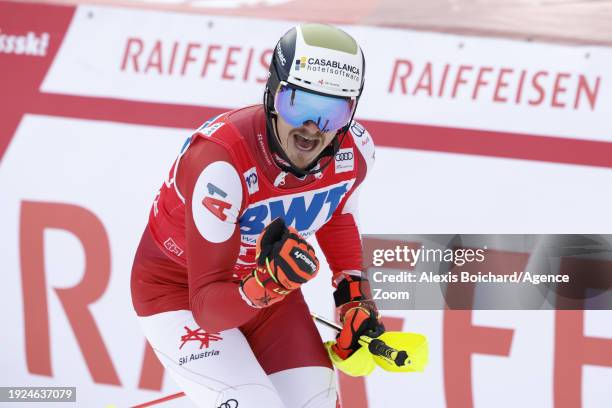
318, 58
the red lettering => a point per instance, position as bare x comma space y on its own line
573, 350
216, 206
229, 62
129, 53
155, 58
459, 78
558, 89
501, 84
209, 58
591, 279
458, 354
403, 77
188, 57
172, 58
474, 339
245, 76
443, 82
35, 218
480, 81
538, 88
591, 93
266, 58
424, 81
519, 93
152, 373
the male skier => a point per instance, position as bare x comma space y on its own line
217, 275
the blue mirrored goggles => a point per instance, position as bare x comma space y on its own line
298, 106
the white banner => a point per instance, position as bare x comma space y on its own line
412, 77
76, 191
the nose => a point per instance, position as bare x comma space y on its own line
311, 126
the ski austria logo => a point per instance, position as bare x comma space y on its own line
199, 335
204, 338
251, 180
344, 160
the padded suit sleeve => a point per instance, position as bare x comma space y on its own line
213, 195
341, 244
339, 238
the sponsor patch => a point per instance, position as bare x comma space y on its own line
171, 246
357, 130
216, 201
204, 338
209, 130
199, 335
304, 261
344, 160
306, 211
252, 180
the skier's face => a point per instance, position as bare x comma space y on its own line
302, 144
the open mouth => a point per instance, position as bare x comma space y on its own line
305, 143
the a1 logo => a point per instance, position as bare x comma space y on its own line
216, 200
215, 205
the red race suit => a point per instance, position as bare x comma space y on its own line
222, 190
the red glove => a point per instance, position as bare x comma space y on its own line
357, 314
285, 261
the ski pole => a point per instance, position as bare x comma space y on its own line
375, 346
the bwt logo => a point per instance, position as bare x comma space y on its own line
342, 156
293, 210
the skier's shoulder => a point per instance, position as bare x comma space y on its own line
363, 142
230, 130
230, 126
215, 153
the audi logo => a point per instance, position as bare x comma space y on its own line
230, 403
344, 156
